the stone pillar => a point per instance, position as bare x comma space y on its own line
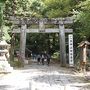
85, 53
23, 41
84, 58
62, 44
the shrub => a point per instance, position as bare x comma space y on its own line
56, 56
16, 63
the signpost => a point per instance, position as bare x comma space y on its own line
70, 40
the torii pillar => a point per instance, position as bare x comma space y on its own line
62, 43
23, 41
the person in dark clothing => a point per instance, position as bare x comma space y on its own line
38, 59
42, 59
48, 59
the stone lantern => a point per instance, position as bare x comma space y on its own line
83, 54
4, 56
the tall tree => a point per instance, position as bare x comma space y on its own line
82, 24
59, 8
2, 3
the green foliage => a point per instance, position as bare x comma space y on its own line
1, 13
6, 35
16, 63
24, 8
59, 8
48, 8
56, 56
83, 19
2, 1
43, 42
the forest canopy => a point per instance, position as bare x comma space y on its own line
78, 9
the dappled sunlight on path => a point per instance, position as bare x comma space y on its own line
39, 77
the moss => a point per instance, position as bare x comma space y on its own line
56, 56
16, 63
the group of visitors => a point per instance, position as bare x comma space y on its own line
41, 58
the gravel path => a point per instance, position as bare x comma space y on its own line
43, 77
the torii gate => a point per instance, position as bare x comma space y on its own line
23, 22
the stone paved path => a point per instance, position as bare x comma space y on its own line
39, 77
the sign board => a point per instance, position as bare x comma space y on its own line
70, 40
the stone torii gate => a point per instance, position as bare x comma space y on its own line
24, 22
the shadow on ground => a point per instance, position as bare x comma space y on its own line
4, 87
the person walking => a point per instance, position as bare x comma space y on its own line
42, 59
38, 58
48, 59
